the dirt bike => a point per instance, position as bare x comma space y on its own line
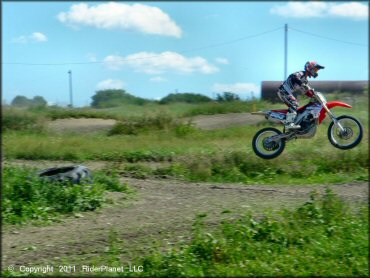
344, 132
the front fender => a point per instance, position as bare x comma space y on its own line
330, 105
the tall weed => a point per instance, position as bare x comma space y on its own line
321, 238
136, 125
21, 120
244, 167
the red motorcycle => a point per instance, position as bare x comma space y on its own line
345, 132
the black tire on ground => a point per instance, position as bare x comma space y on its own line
74, 174
352, 145
277, 152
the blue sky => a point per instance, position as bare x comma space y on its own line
151, 49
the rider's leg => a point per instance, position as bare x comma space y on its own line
292, 103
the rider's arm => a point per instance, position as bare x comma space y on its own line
296, 79
303, 86
308, 91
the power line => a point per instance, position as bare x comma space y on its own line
332, 39
233, 41
148, 57
184, 51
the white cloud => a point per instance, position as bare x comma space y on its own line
34, 37
158, 79
247, 89
351, 10
223, 61
301, 9
138, 17
110, 84
38, 37
158, 63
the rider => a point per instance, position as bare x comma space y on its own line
297, 81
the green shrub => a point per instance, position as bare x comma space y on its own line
136, 125
27, 197
55, 113
121, 128
225, 107
185, 97
109, 179
21, 120
184, 130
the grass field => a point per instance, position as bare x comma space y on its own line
323, 237
212, 155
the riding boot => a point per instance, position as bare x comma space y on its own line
289, 121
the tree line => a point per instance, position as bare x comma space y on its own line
22, 101
117, 97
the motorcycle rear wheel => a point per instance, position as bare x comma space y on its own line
352, 135
263, 147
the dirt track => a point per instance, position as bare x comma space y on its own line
161, 210
208, 122
205, 122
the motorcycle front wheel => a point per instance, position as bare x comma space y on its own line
348, 138
266, 148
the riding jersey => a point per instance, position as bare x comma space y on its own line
295, 81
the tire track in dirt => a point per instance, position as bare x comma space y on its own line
162, 210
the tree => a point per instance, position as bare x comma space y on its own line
227, 96
114, 98
38, 101
22, 101
185, 97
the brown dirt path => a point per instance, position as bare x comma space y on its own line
161, 210
209, 122
81, 125
206, 122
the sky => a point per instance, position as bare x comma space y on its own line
152, 49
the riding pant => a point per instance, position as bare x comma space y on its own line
288, 99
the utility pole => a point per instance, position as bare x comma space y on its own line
70, 89
286, 52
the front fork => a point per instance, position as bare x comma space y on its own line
332, 116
